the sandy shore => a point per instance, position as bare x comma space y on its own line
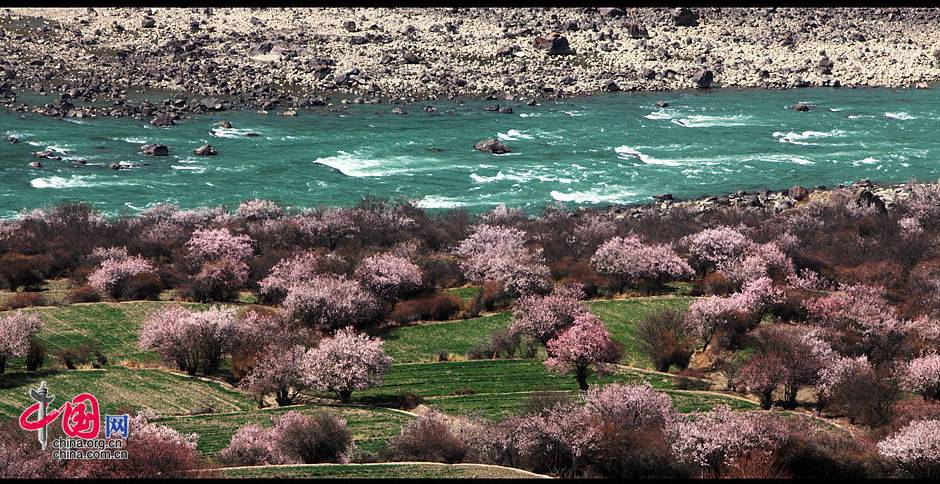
295, 57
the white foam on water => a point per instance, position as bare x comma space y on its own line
59, 149
630, 153
129, 139
783, 158
439, 201
903, 116
867, 161
797, 138
529, 115
514, 135
595, 195
357, 165
220, 132
61, 182
661, 114
705, 121
200, 169
487, 179
75, 121
574, 113
33, 143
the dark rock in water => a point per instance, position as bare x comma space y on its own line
801, 106
554, 43
252, 135
611, 86
163, 120
399, 111
798, 192
155, 149
662, 104
212, 104
491, 145
79, 161
287, 112
434, 149
205, 150
43, 154
492, 107
224, 124
531, 102
11, 139
506, 110
147, 23
35, 164
703, 79
429, 109
684, 17
865, 198
114, 166
663, 196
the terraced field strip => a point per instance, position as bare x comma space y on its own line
383, 470
371, 427
422, 342
111, 327
118, 388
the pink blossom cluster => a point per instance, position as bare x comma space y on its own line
255, 209
859, 307
223, 277
631, 259
712, 247
326, 302
563, 429
15, 331
493, 253
630, 406
389, 276
922, 375
253, 445
278, 373
116, 267
188, 338
331, 225
808, 279
915, 448
758, 260
840, 370
706, 316
141, 427
345, 362
590, 231
910, 227
501, 215
299, 269
542, 317
215, 244
717, 438
585, 345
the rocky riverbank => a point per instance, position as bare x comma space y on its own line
865, 194
283, 58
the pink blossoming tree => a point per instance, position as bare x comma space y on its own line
543, 317
15, 331
712, 247
346, 362
586, 345
190, 339
922, 375
389, 276
493, 253
329, 302
629, 259
115, 269
214, 244
915, 449
299, 269
277, 372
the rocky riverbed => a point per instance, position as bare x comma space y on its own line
282, 58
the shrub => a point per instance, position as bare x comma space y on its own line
661, 335
319, 437
24, 300
542, 402
630, 259
252, 446
329, 302
35, 355
439, 307
86, 293
192, 340
70, 357
18, 270
505, 341
141, 286
427, 438
915, 449
688, 379
297, 270
480, 351
111, 275
463, 391
407, 400
21, 457
220, 280
922, 375
493, 296
215, 244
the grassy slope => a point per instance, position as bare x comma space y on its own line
422, 342
371, 427
118, 388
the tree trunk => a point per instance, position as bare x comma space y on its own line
581, 376
3, 364
344, 396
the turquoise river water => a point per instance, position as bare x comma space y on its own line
610, 148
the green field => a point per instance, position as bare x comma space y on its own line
120, 389
377, 471
371, 427
422, 342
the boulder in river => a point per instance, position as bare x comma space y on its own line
11, 139
399, 111
491, 145
114, 166
662, 104
506, 110
155, 149
611, 86
163, 120
801, 106
205, 150
703, 79
663, 196
224, 124
35, 164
